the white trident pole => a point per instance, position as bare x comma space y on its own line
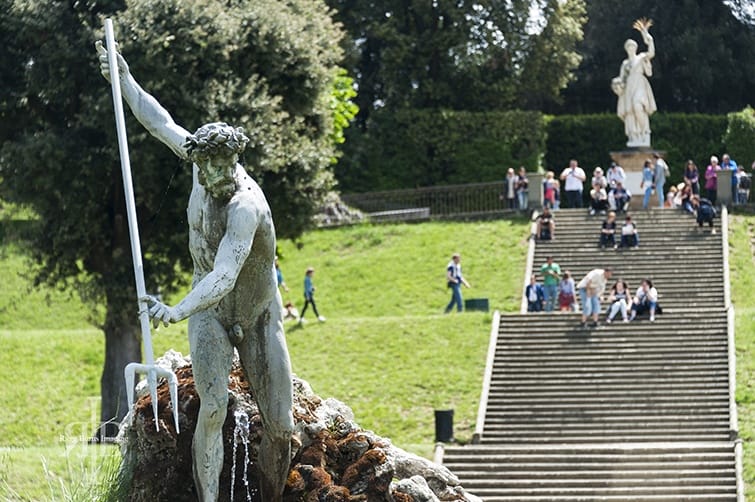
152, 371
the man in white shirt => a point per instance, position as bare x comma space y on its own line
573, 177
591, 288
615, 175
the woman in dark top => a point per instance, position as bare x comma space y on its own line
608, 231
545, 225
692, 176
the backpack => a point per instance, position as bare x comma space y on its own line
745, 182
666, 170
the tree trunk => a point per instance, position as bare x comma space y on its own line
122, 346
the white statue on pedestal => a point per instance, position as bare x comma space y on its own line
636, 102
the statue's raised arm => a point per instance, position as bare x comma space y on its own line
643, 26
147, 110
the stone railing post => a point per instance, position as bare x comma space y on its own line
724, 195
535, 190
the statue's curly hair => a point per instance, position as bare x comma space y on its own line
215, 136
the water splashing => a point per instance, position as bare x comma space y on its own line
241, 435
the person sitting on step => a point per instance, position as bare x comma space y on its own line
619, 197
645, 300
685, 197
546, 226
598, 199
619, 300
535, 295
608, 231
629, 236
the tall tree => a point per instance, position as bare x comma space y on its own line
456, 54
705, 60
267, 65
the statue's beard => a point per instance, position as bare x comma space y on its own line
221, 189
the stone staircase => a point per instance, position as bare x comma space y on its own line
627, 412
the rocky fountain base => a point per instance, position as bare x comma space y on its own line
333, 459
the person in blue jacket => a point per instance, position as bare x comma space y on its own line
309, 296
535, 295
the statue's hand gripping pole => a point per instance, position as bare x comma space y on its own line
150, 369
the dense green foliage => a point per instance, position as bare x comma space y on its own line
460, 55
590, 138
269, 66
411, 148
705, 60
740, 137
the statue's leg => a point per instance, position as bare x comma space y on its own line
211, 357
643, 122
265, 359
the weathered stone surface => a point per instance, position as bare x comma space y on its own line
333, 459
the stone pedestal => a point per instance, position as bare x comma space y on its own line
724, 192
632, 161
535, 190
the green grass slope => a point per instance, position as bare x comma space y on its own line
386, 349
742, 264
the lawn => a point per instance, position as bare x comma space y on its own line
742, 262
386, 349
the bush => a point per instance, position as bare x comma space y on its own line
740, 136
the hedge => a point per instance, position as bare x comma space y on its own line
591, 138
740, 137
417, 148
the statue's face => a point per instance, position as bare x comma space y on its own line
216, 173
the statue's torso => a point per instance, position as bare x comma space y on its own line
208, 221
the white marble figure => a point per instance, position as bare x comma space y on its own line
636, 102
234, 300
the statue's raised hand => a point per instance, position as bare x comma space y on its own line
158, 311
105, 65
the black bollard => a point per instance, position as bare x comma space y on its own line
444, 426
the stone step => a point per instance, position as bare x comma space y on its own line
536, 347
631, 480
566, 437
500, 420
641, 493
709, 497
612, 426
609, 363
477, 473
500, 393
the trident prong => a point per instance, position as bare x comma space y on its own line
152, 370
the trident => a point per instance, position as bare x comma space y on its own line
152, 371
